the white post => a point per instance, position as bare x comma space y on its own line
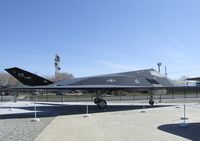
184, 118
87, 109
143, 110
87, 114
35, 111
184, 115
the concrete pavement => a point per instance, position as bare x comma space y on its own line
155, 124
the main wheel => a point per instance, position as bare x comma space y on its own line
97, 100
151, 102
102, 104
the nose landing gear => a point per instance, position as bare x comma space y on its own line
102, 104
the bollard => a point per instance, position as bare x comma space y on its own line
35, 119
87, 114
184, 118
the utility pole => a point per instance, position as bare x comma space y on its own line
159, 64
165, 71
57, 65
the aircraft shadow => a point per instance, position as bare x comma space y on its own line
191, 132
54, 110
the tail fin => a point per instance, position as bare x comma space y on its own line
28, 78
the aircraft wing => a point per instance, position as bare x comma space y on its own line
143, 79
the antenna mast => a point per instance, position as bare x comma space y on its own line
159, 64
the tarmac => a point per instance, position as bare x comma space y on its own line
160, 123
120, 121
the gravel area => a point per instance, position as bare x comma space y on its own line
22, 129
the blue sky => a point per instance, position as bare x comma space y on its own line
101, 36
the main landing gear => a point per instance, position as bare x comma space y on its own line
102, 104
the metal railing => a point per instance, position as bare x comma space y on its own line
172, 93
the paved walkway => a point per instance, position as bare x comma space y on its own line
156, 124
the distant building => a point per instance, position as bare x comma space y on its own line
188, 83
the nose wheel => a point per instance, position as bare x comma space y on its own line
102, 104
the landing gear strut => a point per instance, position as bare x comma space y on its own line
102, 104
